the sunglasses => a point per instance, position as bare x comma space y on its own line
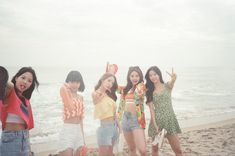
134, 67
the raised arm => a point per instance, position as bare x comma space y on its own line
97, 96
173, 78
66, 97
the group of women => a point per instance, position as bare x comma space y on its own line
128, 117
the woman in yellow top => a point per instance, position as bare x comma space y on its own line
104, 99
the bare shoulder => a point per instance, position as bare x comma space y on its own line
93, 93
63, 88
10, 85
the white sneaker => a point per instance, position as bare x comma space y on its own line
161, 138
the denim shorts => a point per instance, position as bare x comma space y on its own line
14, 143
107, 133
129, 122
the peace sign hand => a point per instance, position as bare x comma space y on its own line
172, 75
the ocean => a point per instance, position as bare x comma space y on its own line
201, 94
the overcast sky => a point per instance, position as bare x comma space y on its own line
127, 32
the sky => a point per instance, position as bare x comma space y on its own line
126, 32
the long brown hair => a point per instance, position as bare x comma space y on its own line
112, 93
129, 84
149, 84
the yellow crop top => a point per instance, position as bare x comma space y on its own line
105, 108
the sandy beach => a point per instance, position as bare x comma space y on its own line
204, 140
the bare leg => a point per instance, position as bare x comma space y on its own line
110, 151
78, 151
105, 151
175, 144
67, 152
130, 142
155, 150
139, 139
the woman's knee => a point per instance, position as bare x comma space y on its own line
132, 149
178, 152
142, 151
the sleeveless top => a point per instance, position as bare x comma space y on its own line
164, 114
73, 107
105, 108
17, 107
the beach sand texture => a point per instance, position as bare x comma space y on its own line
215, 139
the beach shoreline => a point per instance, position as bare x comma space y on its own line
205, 135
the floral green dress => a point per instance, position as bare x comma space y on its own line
164, 113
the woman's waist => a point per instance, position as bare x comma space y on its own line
14, 127
16, 134
73, 120
108, 121
130, 108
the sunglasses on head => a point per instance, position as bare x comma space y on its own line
134, 67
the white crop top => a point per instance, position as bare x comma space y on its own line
13, 118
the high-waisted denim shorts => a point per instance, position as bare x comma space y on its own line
129, 122
14, 143
107, 133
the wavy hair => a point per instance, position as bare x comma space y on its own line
129, 84
112, 93
149, 84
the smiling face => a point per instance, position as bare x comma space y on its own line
108, 83
74, 86
24, 81
134, 78
154, 77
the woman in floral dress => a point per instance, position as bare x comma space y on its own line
160, 104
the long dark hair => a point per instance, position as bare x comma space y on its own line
27, 94
149, 84
3, 81
75, 76
111, 94
129, 84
